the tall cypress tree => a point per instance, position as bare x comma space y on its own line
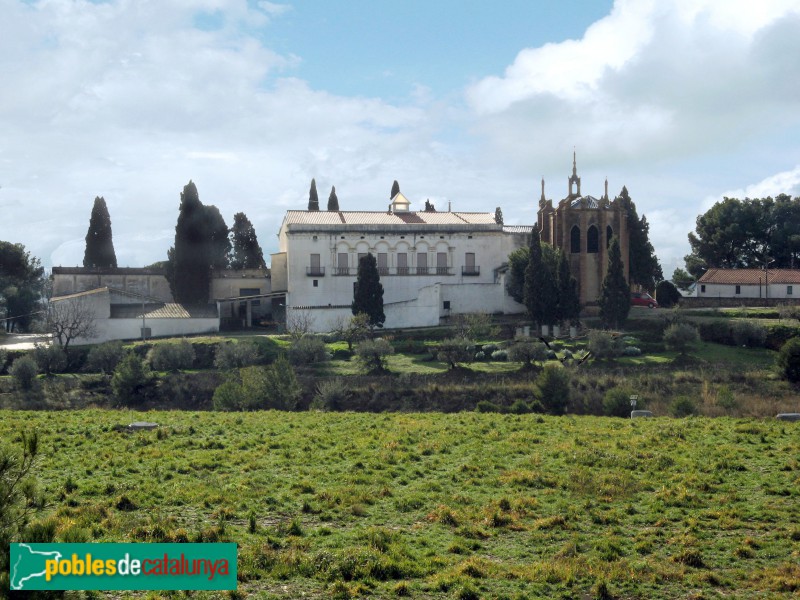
198, 247
615, 294
246, 253
313, 199
219, 244
395, 189
532, 291
99, 244
498, 216
333, 201
368, 293
569, 304
643, 266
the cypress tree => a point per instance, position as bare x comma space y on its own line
498, 215
333, 201
246, 253
532, 291
569, 304
615, 294
395, 189
201, 244
313, 199
368, 293
99, 244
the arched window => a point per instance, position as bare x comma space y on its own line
592, 240
609, 235
575, 240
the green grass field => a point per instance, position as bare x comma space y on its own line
466, 505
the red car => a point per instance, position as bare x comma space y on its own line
643, 299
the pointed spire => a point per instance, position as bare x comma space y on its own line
542, 198
606, 194
574, 163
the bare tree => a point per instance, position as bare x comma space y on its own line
298, 322
71, 319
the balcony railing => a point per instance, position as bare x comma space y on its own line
470, 271
315, 271
392, 271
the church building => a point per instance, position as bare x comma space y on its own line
582, 227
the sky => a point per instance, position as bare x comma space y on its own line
464, 102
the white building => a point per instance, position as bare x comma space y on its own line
749, 283
120, 315
432, 264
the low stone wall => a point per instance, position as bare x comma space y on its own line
709, 302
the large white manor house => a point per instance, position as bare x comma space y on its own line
432, 264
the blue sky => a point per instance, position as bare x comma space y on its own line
469, 103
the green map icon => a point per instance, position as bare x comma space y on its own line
28, 564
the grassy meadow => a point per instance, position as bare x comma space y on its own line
465, 505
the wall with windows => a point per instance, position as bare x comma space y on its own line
720, 290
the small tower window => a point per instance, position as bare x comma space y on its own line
575, 240
592, 240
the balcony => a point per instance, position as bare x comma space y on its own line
315, 271
343, 271
387, 271
470, 271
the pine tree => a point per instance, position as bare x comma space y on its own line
313, 199
246, 253
569, 304
533, 280
615, 294
99, 244
368, 293
498, 215
333, 201
395, 189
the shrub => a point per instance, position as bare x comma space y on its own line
789, 311
3, 359
749, 334
133, 381
788, 360
455, 350
667, 295
604, 345
50, 359
474, 326
489, 349
373, 353
528, 352
330, 395
104, 358
500, 356
236, 356
308, 350
171, 356
681, 337
229, 395
682, 406
260, 388
631, 351
24, 371
553, 387
617, 402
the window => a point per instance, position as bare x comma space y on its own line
788, 290
592, 240
251, 292
575, 240
738, 289
609, 235
316, 283
469, 264
422, 263
383, 263
341, 264
446, 305
441, 263
315, 268
402, 263
702, 288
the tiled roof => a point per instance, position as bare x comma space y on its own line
99, 290
591, 202
750, 276
169, 310
517, 228
304, 217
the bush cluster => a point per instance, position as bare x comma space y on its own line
171, 356
788, 360
105, 357
748, 333
372, 354
308, 350
236, 356
260, 388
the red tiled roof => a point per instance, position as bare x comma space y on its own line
750, 276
